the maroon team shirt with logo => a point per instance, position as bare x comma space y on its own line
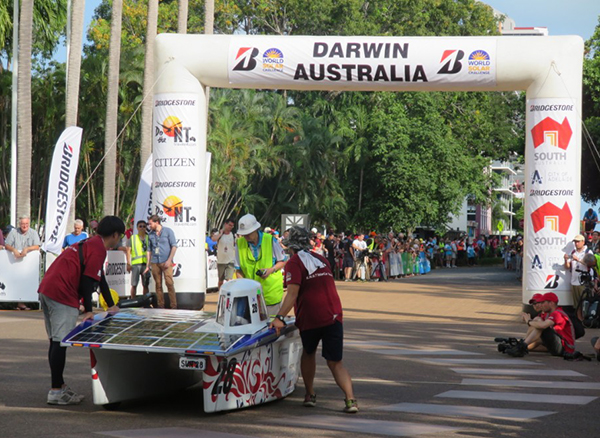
61, 282
318, 303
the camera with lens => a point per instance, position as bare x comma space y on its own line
505, 343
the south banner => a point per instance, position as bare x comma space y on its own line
60, 187
364, 62
178, 192
143, 201
552, 207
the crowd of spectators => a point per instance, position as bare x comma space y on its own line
356, 256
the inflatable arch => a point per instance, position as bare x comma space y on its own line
548, 68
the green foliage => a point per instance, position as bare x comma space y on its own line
49, 21
590, 159
349, 159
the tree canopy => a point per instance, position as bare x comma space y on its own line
349, 159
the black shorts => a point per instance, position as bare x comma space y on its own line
348, 262
332, 337
552, 342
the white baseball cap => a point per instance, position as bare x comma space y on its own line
247, 225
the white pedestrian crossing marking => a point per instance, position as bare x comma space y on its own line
532, 384
523, 372
466, 411
519, 397
407, 352
507, 362
363, 425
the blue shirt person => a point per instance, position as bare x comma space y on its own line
76, 236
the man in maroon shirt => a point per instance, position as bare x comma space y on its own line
553, 332
60, 291
311, 291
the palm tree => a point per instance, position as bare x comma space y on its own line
74, 42
146, 135
74, 61
24, 110
182, 18
112, 109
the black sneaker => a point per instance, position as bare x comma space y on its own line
518, 350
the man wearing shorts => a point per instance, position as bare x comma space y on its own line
311, 291
553, 332
226, 252
73, 276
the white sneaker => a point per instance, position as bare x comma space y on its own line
63, 398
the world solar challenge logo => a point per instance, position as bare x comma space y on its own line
273, 60
479, 63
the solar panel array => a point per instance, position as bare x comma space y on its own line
154, 328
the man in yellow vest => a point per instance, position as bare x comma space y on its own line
260, 257
137, 245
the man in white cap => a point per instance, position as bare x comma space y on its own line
260, 257
574, 263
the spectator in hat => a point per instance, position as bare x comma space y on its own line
318, 309
553, 332
574, 263
536, 302
259, 256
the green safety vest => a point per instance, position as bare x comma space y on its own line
371, 245
597, 267
273, 285
138, 255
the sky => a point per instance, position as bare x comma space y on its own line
561, 17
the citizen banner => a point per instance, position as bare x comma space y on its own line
143, 201
552, 207
364, 62
178, 183
60, 187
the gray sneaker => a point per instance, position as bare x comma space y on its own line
63, 398
72, 393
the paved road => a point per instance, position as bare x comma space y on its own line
420, 352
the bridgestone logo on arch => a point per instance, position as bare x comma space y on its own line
175, 184
550, 108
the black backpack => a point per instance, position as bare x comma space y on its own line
590, 310
578, 327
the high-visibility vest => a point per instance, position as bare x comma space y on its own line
138, 255
371, 245
273, 285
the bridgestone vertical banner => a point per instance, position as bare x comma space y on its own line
143, 201
551, 164
363, 63
178, 168
60, 187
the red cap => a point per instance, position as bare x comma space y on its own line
536, 298
550, 296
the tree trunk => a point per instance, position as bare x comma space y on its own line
360, 185
112, 109
24, 110
73, 74
182, 17
146, 135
